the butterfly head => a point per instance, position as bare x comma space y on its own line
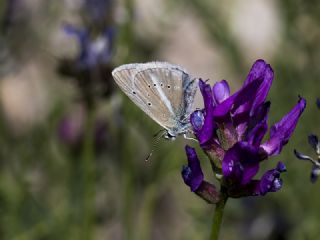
170, 136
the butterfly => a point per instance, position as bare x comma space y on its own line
164, 91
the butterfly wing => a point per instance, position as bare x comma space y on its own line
162, 90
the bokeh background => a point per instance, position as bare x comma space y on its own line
72, 146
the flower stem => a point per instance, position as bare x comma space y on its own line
217, 219
88, 170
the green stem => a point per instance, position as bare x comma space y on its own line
128, 166
88, 169
128, 179
217, 219
149, 206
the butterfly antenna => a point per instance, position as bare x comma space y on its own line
156, 139
157, 133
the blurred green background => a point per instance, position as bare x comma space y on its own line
72, 146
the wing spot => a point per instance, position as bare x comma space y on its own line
149, 86
161, 84
169, 86
154, 84
134, 92
149, 103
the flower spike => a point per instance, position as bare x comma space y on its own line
230, 129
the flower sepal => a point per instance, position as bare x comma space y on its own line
227, 135
234, 191
215, 153
208, 192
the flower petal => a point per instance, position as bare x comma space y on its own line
281, 167
314, 142
260, 116
256, 135
257, 126
241, 163
192, 174
239, 102
282, 130
221, 91
318, 103
242, 106
263, 89
260, 71
197, 120
315, 172
81, 34
256, 72
224, 108
207, 130
302, 156
249, 172
109, 36
271, 181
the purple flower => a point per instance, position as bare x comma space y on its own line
193, 177
315, 144
230, 130
271, 181
318, 103
192, 174
94, 51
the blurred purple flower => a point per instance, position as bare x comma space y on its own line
97, 10
91, 68
71, 129
12, 11
318, 103
93, 51
230, 130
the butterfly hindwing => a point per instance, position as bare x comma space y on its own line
162, 90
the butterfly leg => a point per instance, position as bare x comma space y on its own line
189, 138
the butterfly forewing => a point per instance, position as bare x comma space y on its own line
124, 76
